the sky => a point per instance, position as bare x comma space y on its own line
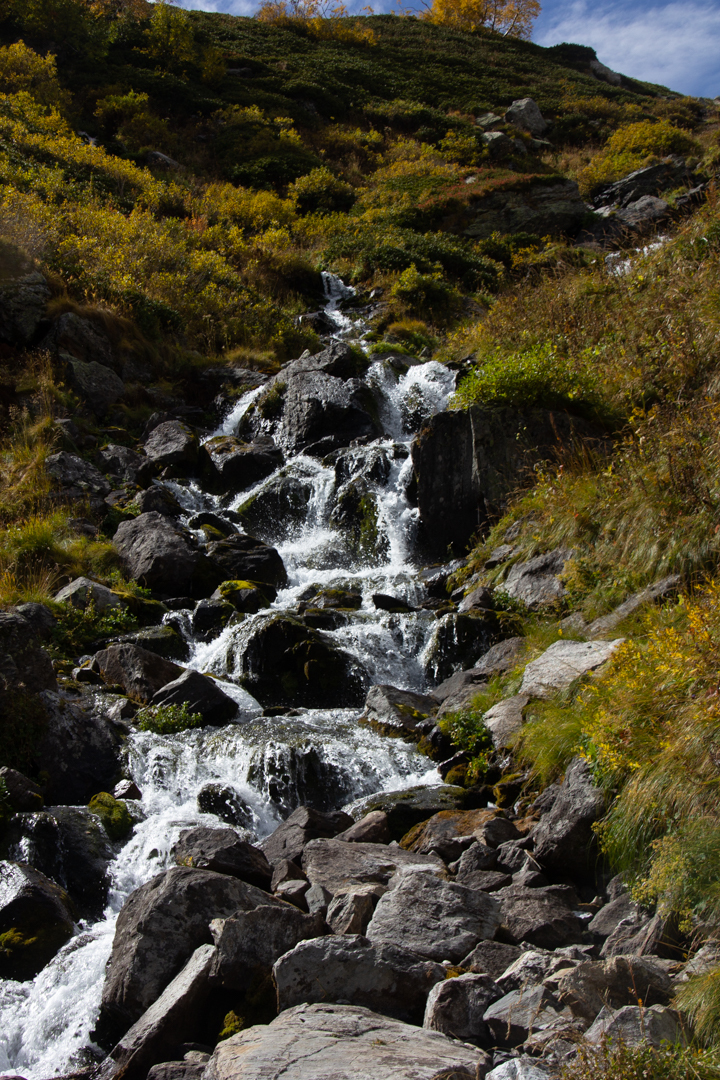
676, 44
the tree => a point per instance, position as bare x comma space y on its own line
511, 18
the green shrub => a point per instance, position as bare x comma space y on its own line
426, 294
633, 147
113, 813
321, 192
167, 719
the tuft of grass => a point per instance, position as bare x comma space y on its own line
167, 719
618, 1061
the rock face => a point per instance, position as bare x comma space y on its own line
201, 695
536, 582
232, 465
79, 749
562, 663
140, 673
351, 970
434, 918
250, 942
223, 852
336, 864
564, 836
156, 552
545, 208
339, 1042
36, 918
159, 927
456, 1008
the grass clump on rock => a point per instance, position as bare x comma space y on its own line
167, 719
113, 813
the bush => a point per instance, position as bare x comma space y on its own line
167, 719
320, 192
426, 294
634, 147
618, 1061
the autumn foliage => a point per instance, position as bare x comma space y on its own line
511, 18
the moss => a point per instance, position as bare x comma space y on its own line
270, 404
113, 813
457, 775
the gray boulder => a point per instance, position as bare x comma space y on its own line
81, 337
542, 917
77, 479
339, 1042
564, 835
536, 582
436, 919
79, 749
644, 214
371, 829
499, 144
506, 719
121, 462
350, 911
470, 679
278, 509
159, 500
525, 114
36, 918
651, 180
161, 640
245, 558
210, 618
564, 662
396, 712
323, 412
605, 624
172, 444
520, 1068
40, 617
232, 465
511, 1019
456, 1008
411, 806
248, 943
156, 552
336, 864
22, 307
634, 1024
95, 384
289, 840
616, 982
83, 591
223, 852
549, 208
201, 694
455, 640
141, 673
353, 971
491, 958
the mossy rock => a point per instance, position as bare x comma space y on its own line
457, 775
247, 597
509, 789
113, 813
147, 612
336, 599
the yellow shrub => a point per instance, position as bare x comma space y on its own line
634, 147
23, 69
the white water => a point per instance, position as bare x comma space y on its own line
271, 763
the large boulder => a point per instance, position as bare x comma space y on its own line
280, 506
396, 712
542, 917
21, 792
451, 832
511, 1019
36, 918
290, 839
354, 971
223, 852
79, 749
22, 307
337, 864
410, 806
157, 553
456, 640
547, 207
158, 929
634, 1024
617, 981
249, 942
245, 558
436, 919
564, 662
141, 673
83, 591
456, 1008
536, 583
172, 444
230, 465
651, 180
201, 694
121, 462
81, 338
564, 836
76, 478
24, 664
95, 384
323, 412
340, 1042
525, 114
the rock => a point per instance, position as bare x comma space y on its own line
304, 824
479, 599
604, 73
285, 663
245, 558
338, 865
511, 1019
293, 892
285, 870
161, 640
488, 120
168, 1021
83, 591
77, 479
394, 604
22, 793
40, 617
249, 942
456, 1008
644, 936
95, 384
499, 145
127, 789
353, 971
455, 640
121, 462
36, 918
156, 552
434, 918
224, 852
651, 180
212, 523
79, 749
226, 803
232, 465
546, 208
157, 160
519, 1068
371, 829
487, 880
491, 958
201, 694
210, 618
642, 215
24, 665
634, 1025
617, 981
22, 307
337, 359
605, 624
323, 412
564, 835
450, 832
536, 582
476, 858
396, 712
612, 913
158, 500
350, 911
158, 929
540, 917
245, 596
410, 806
525, 114
81, 337
141, 673
505, 719
338, 1042
279, 507
176, 1070
564, 662
471, 679
172, 444
536, 966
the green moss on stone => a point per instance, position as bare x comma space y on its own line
113, 813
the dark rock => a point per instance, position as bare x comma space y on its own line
371, 829
210, 618
22, 793
95, 384
456, 1008
479, 599
540, 917
201, 694
226, 803
162, 640
173, 444
323, 412
206, 518
158, 500
349, 912
338, 359
396, 712
505, 719
644, 214
564, 836
158, 929
409, 807
511, 1019
618, 981
22, 308
340, 866
383, 602
36, 918
487, 880
456, 640
245, 558
279, 507
608, 917
355, 971
634, 1025
667, 174
121, 462
638, 936
548, 209
293, 892
331, 599
81, 338
500, 145
285, 870
40, 617
79, 749
127, 789
24, 665
156, 552
141, 673
250, 941
525, 114
501, 657
491, 958
245, 596
222, 851
177, 1070
232, 465
77, 479
289, 839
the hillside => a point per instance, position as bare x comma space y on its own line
359, 484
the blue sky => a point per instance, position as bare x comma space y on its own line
676, 44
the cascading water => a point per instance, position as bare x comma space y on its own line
268, 764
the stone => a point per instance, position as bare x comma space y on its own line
245, 596
168, 1021
449, 832
337, 865
293, 892
499, 145
396, 712
456, 1008
506, 719
161, 640
156, 552
79, 749
353, 971
95, 384
670, 173
324, 412
23, 302
176, 1070
24, 665
289, 840
141, 673
22, 793
121, 462
83, 591
285, 870
245, 558
511, 1019
371, 829
643, 214
350, 912
535, 966
225, 802
201, 694
411, 806
317, 899
230, 465
223, 852
210, 618
525, 114
248, 943
471, 679
616, 982
36, 918
158, 500
83, 338
77, 479
172, 444
394, 604
478, 857
645, 936
520, 1068
455, 640
210, 522
40, 617
564, 662
604, 73
338, 1042
564, 835
541, 917
611, 914
127, 789
491, 958
634, 1024
436, 919
487, 880
551, 208
605, 624
488, 120
536, 583
279, 507
158, 928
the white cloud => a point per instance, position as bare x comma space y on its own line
676, 45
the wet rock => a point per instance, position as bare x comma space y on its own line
323, 412
491, 958
168, 1021
210, 618
409, 807
287, 663
156, 552
162, 640
472, 679
304, 824
280, 506
511, 1019
452, 832
506, 719
223, 852
618, 981
83, 591
141, 673
384, 602
354, 971
434, 918
338, 359
245, 558
36, 918
95, 384
541, 917
285, 870
396, 712
201, 694
79, 749
158, 929
22, 793
24, 664
249, 942
634, 1024
173, 445
564, 662
22, 307
121, 462
525, 114
456, 1008
564, 836
226, 803
536, 582
158, 500
455, 640
229, 464
77, 479
208, 521
338, 865
338, 1042
371, 829
245, 596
